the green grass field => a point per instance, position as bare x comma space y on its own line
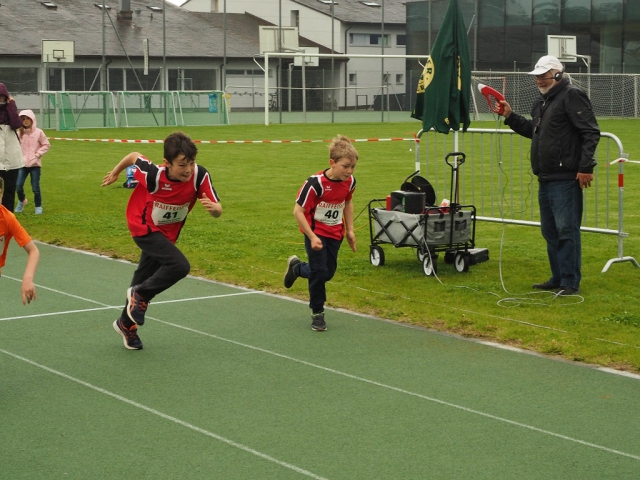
250, 243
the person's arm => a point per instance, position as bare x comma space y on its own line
298, 214
15, 122
28, 287
113, 175
207, 195
43, 146
348, 224
519, 124
214, 208
582, 118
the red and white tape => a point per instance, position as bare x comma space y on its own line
222, 142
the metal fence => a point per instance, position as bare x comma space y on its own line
496, 178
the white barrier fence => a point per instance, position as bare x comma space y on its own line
496, 178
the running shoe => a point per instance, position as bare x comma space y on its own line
136, 306
290, 275
317, 322
129, 335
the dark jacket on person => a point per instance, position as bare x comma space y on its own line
10, 152
564, 133
9, 111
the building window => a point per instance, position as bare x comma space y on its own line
401, 40
399, 79
20, 80
353, 79
295, 18
367, 39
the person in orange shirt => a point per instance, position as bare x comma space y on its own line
11, 228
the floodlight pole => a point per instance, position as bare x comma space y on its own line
103, 82
333, 51
382, 65
280, 50
224, 48
164, 47
164, 59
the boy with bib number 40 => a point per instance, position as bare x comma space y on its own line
324, 213
156, 212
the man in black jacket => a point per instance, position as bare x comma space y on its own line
564, 135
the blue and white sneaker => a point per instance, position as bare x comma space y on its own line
38, 210
20, 206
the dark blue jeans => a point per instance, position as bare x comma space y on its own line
161, 265
35, 184
560, 217
319, 270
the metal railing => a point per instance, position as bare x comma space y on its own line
497, 179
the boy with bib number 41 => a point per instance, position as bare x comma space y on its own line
324, 213
156, 212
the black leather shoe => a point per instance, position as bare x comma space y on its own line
546, 286
568, 291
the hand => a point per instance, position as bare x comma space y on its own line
214, 208
584, 179
507, 108
109, 178
28, 292
316, 243
351, 239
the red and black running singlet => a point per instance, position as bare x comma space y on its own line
159, 204
324, 200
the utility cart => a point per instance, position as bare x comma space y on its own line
433, 230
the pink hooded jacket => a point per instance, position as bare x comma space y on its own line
33, 141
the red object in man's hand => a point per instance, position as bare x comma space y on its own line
489, 92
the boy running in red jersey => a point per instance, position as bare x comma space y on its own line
324, 213
156, 212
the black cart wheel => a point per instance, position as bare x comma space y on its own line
450, 256
376, 256
461, 262
430, 265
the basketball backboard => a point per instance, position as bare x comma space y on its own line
269, 39
58, 51
563, 47
308, 61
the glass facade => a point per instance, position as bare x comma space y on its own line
510, 35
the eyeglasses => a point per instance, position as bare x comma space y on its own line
538, 77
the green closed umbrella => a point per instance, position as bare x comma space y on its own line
444, 87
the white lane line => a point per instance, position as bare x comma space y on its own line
166, 417
104, 306
51, 314
403, 391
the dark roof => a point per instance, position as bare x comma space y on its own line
25, 23
355, 12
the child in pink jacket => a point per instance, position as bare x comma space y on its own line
34, 145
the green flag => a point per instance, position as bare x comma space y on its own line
444, 87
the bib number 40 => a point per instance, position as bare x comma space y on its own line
332, 215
